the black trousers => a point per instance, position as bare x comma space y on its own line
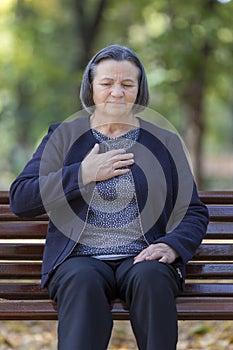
83, 287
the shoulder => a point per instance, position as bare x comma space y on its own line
170, 140
61, 136
74, 124
152, 130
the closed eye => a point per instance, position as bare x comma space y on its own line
105, 84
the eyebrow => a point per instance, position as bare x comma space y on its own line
126, 79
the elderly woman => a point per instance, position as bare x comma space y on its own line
125, 216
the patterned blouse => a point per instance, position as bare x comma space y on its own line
113, 227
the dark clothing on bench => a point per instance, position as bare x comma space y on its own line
26, 199
84, 287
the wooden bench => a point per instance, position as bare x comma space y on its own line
208, 294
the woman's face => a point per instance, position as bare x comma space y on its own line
115, 86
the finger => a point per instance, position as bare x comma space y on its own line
138, 259
122, 163
95, 149
164, 259
121, 171
122, 157
154, 256
143, 253
116, 152
141, 256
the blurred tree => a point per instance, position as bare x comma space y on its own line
87, 22
186, 48
50, 44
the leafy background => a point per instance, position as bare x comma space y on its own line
186, 48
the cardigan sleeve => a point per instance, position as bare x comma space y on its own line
189, 219
45, 182
186, 237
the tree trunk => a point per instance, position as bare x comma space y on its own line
87, 29
193, 97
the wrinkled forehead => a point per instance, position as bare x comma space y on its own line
112, 69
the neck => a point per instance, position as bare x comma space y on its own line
112, 127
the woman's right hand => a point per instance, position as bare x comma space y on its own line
102, 166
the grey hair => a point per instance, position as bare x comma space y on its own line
118, 53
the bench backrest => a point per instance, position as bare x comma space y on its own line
210, 273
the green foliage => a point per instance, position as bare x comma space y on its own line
45, 45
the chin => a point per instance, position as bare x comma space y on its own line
118, 108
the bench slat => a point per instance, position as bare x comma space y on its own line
27, 310
19, 291
221, 212
207, 197
220, 229
193, 308
32, 270
208, 289
32, 291
38, 230
188, 309
217, 197
20, 270
34, 251
4, 197
20, 251
214, 252
22, 230
6, 214
209, 270
202, 308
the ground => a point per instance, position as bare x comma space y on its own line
41, 335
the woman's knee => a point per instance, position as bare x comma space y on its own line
153, 275
81, 275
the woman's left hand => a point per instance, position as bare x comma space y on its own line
159, 251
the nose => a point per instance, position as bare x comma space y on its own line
117, 90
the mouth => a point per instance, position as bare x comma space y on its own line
117, 102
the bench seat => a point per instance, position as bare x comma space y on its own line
208, 293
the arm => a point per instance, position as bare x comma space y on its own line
45, 181
188, 221
186, 237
